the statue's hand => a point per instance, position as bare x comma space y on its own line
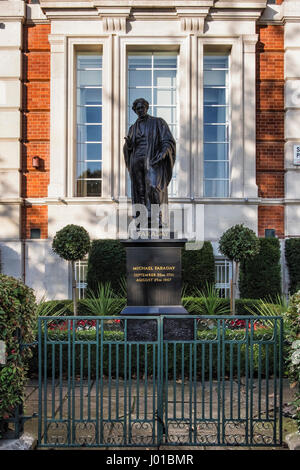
128, 142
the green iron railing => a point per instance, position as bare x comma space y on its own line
221, 388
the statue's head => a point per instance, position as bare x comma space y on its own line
140, 106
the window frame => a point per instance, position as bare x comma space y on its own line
160, 44
75, 46
223, 286
227, 105
234, 48
152, 88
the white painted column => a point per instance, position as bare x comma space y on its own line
58, 106
291, 14
250, 187
12, 14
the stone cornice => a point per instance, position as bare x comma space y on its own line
13, 10
191, 13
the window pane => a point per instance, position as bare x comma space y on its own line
216, 170
89, 170
216, 188
214, 96
215, 114
131, 116
213, 61
216, 117
215, 78
89, 115
140, 93
165, 61
174, 131
90, 61
216, 151
89, 133
140, 61
168, 114
164, 97
89, 78
92, 96
156, 84
215, 133
88, 188
164, 78
140, 78
89, 152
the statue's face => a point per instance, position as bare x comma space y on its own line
141, 109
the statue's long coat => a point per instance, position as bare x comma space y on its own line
159, 140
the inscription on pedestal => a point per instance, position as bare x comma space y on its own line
154, 288
153, 276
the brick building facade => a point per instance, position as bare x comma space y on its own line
41, 45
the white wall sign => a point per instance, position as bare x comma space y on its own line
297, 154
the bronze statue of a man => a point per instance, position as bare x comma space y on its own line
149, 152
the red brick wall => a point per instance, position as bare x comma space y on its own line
36, 217
36, 124
270, 125
271, 217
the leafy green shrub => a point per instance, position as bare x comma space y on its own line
292, 255
106, 263
198, 268
71, 243
211, 304
292, 350
17, 321
65, 307
260, 276
238, 244
104, 302
112, 359
195, 305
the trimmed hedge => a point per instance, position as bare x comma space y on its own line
292, 254
241, 305
106, 263
260, 277
198, 268
82, 369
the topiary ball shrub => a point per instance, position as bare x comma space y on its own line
17, 323
71, 243
239, 243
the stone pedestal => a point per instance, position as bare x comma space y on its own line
154, 288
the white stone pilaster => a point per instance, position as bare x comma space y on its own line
250, 187
12, 16
291, 15
58, 158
